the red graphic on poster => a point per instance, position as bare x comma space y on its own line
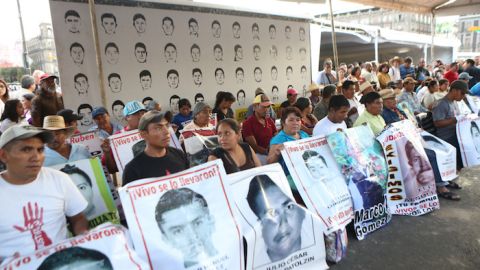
33, 223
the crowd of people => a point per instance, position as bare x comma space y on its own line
35, 127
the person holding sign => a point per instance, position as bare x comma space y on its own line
36, 199
185, 221
158, 158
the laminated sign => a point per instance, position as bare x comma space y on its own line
411, 186
90, 140
443, 153
468, 134
280, 234
184, 220
321, 184
105, 248
361, 161
199, 144
89, 177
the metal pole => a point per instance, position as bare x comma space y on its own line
334, 38
376, 45
91, 5
432, 51
24, 44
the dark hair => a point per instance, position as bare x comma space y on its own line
328, 90
192, 20
254, 25
241, 91
174, 199
239, 69
171, 45
141, 45
144, 73
111, 44
10, 111
303, 67
76, 44
274, 87
408, 59
346, 84
273, 67
236, 47
167, 19
216, 22
196, 70
146, 99
442, 81
289, 67
197, 96
218, 69
302, 49
272, 26
118, 102
382, 66
236, 23
84, 106
184, 102
354, 70
174, 97
470, 62
69, 255
473, 125
432, 83
256, 46
113, 75
302, 103
223, 96
289, 110
232, 123
217, 46
72, 169
258, 69
138, 16
71, 13
78, 76
108, 15
288, 27
338, 101
310, 153
370, 98
431, 138
172, 71
193, 47
257, 186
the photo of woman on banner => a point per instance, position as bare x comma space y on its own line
419, 173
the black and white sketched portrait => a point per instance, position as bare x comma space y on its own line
139, 23
173, 78
81, 84
303, 73
199, 98
140, 52
303, 53
167, 26
256, 52
174, 103
304, 90
255, 31
197, 77
117, 110
73, 22
193, 27
272, 31
239, 75
289, 53
85, 111
195, 52
218, 52
145, 79
241, 97
77, 52
238, 53
236, 30
274, 73
288, 32
257, 74
301, 34
146, 100
275, 94
219, 76
170, 52
109, 23
112, 53
115, 82
289, 73
274, 52
216, 29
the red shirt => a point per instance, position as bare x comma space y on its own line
450, 76
262, 134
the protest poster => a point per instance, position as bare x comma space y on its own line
126, 145
411, 186
198, 144
106, 247
184, 220
474, 103
89, 177
279, 233
405, 107
445, 155
468, 134
90, 140
361, 161
322, 186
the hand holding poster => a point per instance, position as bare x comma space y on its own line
468, 134
105, 248
90, 140
184, 220
445, 155
361, 160
319, 181
89, 177
280, 234
411, 182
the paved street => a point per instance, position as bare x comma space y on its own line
448, 238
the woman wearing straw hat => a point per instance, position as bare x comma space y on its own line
59, 151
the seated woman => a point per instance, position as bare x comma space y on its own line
308, 119
236, 156
372, 114
223, 105
200, 122
12, 115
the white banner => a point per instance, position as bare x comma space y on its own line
198, 144
468, 134
105, 247
184, 220
280, 234
90, 140
322, 186
445, 155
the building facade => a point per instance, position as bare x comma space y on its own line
469, 35
41, 50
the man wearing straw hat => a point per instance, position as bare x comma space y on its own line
58, 151
394, 71
314, 90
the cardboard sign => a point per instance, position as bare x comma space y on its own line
445, 154
468, 134
90, 140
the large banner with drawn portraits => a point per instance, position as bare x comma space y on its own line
169, 52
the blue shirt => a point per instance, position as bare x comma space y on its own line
391, 116
103, 134
180, 119
404, 71
411, 100
78, 152
475, 90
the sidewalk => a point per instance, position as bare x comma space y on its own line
448, 238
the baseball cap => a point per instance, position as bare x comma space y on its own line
464, 76
98, 111
150, 117
69, 116
133, 107
21, 132
387, 93
263, 100
292, 91
460, 85
46, 76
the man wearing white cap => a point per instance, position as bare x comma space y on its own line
35, 200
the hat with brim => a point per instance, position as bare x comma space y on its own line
387, 93
396, 59
21, 132
314, 86
364, 86
46, 76
262, 100
55, 122
150, 117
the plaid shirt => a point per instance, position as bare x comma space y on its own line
411, 100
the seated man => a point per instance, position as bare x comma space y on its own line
36, 200
390, 112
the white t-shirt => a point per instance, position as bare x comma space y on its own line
422, 93
46, 200
325, 127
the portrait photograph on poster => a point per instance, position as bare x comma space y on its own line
468, 134
184, 220
279, 232
444, 153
